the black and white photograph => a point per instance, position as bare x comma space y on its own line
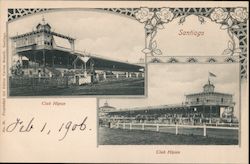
79, 52
195, 104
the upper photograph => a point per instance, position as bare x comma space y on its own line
76, 52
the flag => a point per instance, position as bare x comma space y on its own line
211, 74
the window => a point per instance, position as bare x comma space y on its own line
197, 100
222, 100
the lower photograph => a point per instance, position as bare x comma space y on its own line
192, 104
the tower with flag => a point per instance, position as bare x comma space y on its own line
211, 76
206, 106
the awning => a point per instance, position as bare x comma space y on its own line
61, 42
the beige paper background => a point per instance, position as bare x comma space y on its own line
82, 146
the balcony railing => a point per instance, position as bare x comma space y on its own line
26, 47
211, 103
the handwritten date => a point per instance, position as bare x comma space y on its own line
64, 129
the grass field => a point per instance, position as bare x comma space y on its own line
109, 136
117, 87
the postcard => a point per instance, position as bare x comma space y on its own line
124, 81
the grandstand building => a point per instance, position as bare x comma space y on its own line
207, 106
45, 53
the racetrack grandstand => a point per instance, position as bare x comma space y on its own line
43, 59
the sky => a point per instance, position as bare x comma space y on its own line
168, 83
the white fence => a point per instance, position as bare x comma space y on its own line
175, 128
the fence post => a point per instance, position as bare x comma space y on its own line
204, 130
142, 126
157, 127
176, 129
124, 125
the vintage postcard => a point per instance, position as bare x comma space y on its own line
124, 81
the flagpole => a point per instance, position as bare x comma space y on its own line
208, 77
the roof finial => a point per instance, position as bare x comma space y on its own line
106, 103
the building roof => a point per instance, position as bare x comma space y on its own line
208, 93
42, 30
106, 106
110, 64
39, 31
39, 24
170, 106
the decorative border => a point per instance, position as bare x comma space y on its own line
16, 13
234, 20
193, 59
20, 12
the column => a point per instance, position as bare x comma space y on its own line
53, 61
21, 60
130, 75
44, 62
97, 76
127, 74
204, 130
85, 69
104, 75
117, 75
72, 44
157, 127
137, 74
176, 129
210, 114
35, 60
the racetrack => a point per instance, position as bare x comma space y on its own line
132, 86
107, 136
